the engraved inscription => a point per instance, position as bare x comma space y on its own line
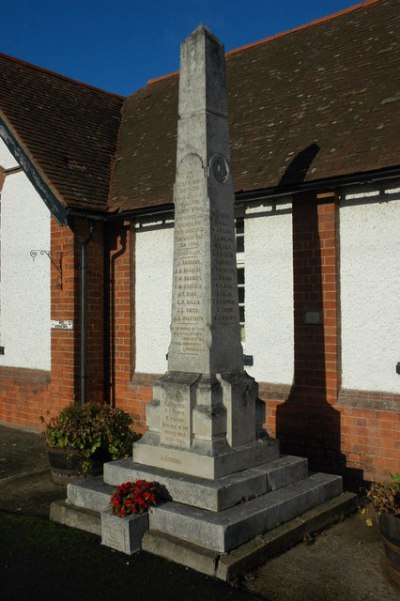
225, 301
113, 535
188, 327
167, 459
175, 423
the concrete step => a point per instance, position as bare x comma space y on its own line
227, 566
228, 529
90, 493
212, 495
75, 517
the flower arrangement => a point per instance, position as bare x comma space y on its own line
134, 497
382, 498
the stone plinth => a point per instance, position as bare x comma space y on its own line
227, 530
205, 426
123, 534
211, 494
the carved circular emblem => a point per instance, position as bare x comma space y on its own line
220, 168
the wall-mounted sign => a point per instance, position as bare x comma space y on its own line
62, 324
313, 318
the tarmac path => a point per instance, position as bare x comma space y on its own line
42, 560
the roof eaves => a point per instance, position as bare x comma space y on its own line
60, 76
340, 181
318, 21
34, 174
275, 36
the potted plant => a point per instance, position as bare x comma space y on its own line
82, 437
383, 506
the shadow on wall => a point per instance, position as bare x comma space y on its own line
307, 423
117, 241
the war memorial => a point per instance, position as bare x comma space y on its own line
226, 487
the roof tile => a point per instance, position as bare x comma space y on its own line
68, 129
317, 103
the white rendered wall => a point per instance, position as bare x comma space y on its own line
7, 160
25, 284
370, 292
269, 292
153, 291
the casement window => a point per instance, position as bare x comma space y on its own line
240, 272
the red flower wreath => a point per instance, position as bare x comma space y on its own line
134, 497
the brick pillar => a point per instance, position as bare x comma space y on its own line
307, 423
66, 242
63, 387
120, 359
95, 314
316, 294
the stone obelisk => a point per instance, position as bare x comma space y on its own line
203, 420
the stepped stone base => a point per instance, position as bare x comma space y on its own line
91, 493
227, 566
226, 530
224, 566
213, 495
63, 512
199, 462
216, 526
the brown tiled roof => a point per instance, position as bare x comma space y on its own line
67, 129
319, 102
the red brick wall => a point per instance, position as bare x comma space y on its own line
308, 423
355, 432
306, 417
122, 392
95, 311
352, 432
370, 432
26, 394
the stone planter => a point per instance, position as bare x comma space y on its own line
390, 530
123, 534
66, 465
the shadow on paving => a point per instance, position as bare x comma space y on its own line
21, 452
46, 561
42, 560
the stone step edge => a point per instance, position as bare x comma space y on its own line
91, 494
80, 518
228, 566
233, 490
235, 526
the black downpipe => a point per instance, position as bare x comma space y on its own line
85, 244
